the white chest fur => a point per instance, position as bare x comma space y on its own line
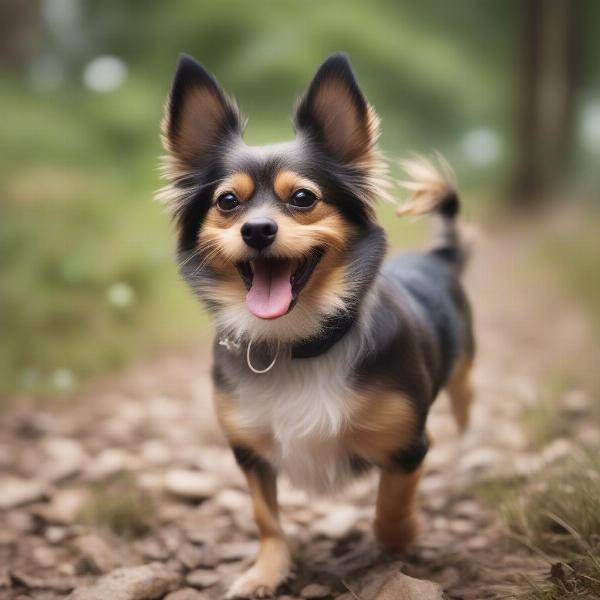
305, 404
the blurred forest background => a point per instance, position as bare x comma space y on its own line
508, 90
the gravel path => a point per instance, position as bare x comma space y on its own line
149, 438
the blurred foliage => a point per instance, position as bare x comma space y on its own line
546, 420
577, 256
88, 279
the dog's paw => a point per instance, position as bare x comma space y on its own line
258, 582
397, 535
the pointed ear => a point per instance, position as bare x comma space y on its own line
198, 115
334, 112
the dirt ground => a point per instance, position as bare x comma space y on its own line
141, 452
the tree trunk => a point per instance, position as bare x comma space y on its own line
545, 100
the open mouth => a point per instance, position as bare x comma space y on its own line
274, 284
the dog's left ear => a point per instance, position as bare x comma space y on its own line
335, 114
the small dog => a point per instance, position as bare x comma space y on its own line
326, 358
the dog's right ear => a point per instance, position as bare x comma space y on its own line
199, 117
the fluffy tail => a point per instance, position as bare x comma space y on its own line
433, 190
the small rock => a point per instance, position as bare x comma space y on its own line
186, 594
387, 582
19, 521
63, 458
130, 583
64, 508
56, 535
210, 557
478, 542
200, 535
303, 516
338, 523
462, 526
156, 452
202, 578
315, 590
171, 537
231, 551
57, 584
16, 492
152, 549
189, 556
449, 577
468, 509
480, 459
190, 485
232, 500
576, 401
589, 435
33, 424
244, 523
108, 463
96, 555
67, 569
44, 556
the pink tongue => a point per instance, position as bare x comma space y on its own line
271, 293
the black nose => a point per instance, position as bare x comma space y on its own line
259, 233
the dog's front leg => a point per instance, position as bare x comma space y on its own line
272, 565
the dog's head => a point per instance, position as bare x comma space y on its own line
275, 239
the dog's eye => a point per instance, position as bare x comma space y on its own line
302, 199
227, 202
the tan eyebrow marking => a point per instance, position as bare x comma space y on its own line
287, 182
241, 184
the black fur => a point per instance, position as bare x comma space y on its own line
409, 459
249, 460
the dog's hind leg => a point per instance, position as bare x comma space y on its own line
460, 392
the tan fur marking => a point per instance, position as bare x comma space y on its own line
460, 392
258, 441
396, 523
287, 182
263, 491
429, 184
241, 184
384, 423
297, 235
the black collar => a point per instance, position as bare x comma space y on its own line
334, 330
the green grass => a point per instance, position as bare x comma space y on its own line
120, 506
561, 514
575, 256
557, 515
545, 420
